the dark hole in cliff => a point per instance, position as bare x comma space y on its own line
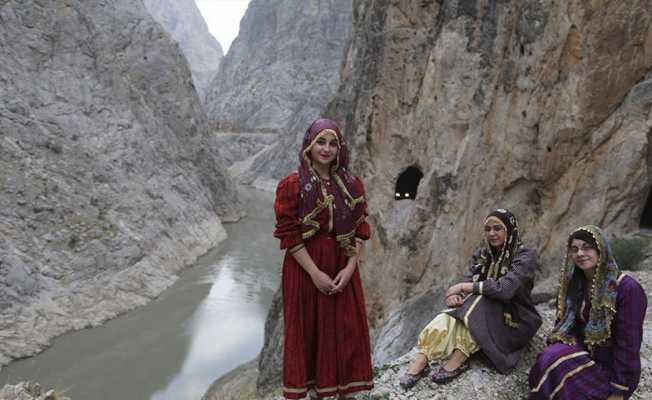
549, 149
522, 49
646, 217
407, 184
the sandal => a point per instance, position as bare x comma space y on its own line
443, 376
408, 381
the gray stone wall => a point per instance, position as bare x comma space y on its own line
109, 184
278, 75
184, 22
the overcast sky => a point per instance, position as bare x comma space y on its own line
223, 18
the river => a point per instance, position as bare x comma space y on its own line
210, 321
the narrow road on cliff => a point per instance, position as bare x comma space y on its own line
210, 321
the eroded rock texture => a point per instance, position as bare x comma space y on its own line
183, 21
108, 183
28, 391
278, 75
539, 106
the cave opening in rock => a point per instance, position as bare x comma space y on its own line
407, 184
646, 217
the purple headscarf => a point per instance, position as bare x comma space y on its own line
347, 199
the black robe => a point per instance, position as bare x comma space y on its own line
500, 313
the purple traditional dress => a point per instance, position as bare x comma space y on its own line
595, 344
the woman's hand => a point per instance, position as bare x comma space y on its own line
322, 281
342, 278
454, 300
461, 289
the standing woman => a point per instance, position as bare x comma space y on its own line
596, 342
320, 214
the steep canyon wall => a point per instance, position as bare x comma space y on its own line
278, 75
539, 106
109, 184
542, 107
184, 22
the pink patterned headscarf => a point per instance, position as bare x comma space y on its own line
347, 199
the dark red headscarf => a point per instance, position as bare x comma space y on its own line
347, 197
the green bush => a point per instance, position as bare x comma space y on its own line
629, 252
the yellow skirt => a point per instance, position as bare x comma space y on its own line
443, 335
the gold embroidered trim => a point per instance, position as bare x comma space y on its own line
509, 321
591, 340
619, 387
468, 313
348, 199
309, 218
309, 384
344, 387
570, 375
554, 365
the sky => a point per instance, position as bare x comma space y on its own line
223, 18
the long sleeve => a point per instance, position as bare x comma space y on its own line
521, 273
286, 206
631, 304
363, 231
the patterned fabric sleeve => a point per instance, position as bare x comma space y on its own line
631, 303
286, 206
363, 231
521, 272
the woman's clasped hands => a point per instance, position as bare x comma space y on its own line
329, 286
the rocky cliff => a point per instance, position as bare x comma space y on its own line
539, 106
109, 182
479, 383
278, 75
542, 107
29, 391
183, 21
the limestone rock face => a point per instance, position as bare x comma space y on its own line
279, 73
542, 107
109, 184
28, 391
184, 22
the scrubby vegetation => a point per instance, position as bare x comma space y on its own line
630, 252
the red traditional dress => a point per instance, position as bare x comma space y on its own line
326, 335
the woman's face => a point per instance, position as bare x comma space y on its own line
495, 233
584, 255
324, 150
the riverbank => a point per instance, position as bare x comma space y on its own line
207, 323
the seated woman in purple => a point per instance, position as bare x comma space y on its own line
596, 342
